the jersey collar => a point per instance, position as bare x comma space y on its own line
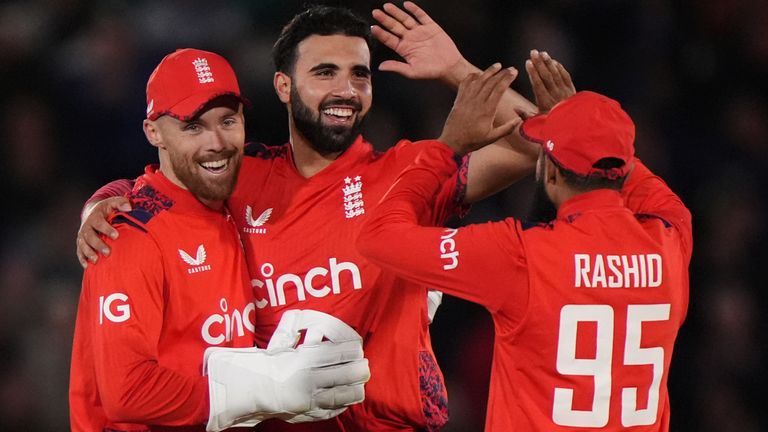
351, 158
590, 201
183, 200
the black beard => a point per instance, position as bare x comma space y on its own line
324, 139
542, 208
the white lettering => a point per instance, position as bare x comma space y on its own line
122, 311
598, 275
448, 249
220, 328
581, 264
623, 271
314, 282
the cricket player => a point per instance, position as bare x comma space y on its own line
586, 307
299, 206
177, 288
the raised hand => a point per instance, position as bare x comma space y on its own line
550, 81
428, 51
469, 125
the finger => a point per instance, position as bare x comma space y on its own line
543, 70
354, 372
386, 38
340, 396
566, 78
490, 83
504, 130
418, 12
100, 225
400, 15
399, 67
388, 22
551, 65
93, 240
327, 354
505, 79
80, 257
88, 252
533, 76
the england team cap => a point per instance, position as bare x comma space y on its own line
583, 129
186, 80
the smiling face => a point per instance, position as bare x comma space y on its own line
329, 91
202, 155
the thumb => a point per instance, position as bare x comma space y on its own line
505, 129
399, 67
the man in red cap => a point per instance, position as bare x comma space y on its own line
586, 307
174, 299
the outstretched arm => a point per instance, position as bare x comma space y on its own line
429, 53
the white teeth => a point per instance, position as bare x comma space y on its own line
338, 112
214, 164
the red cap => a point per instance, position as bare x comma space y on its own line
583, 129
186, 80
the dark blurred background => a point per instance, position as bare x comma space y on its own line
692, 74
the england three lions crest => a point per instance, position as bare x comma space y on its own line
353, 197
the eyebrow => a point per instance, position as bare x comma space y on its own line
333, 66
361, 68
325, 66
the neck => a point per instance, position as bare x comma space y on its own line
307, 160
213, 205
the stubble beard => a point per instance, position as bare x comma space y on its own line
204, 188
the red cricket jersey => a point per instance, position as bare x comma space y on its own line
175, 285
586, 309
299, 239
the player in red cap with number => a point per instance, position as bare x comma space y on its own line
177, 288
587, 306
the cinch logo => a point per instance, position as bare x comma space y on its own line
276, 285
448, 250
254, 224
219, 328
120, 313
196, 262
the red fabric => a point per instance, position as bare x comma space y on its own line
551, 312
174, 284
186, 80
299, 237
583, 129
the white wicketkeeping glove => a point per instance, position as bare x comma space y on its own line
314, 381
434, 299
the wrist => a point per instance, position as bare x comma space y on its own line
458, 71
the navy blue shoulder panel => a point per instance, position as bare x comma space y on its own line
147, 202
642, 217
528, 225
263, 151
123, 220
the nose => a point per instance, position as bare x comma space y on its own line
216, 143
345, 88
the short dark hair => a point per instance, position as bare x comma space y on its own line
316, 20
593, 181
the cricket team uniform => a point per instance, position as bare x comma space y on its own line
175, 285
299, 235
586, 308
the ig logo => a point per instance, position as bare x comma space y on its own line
122, 311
